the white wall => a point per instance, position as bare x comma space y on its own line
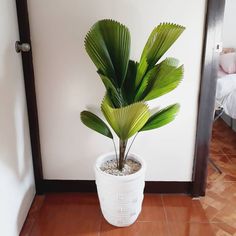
67, 83
16, 172
229, 32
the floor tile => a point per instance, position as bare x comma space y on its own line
183, 209
32, 215
222, 229
222, 159
226, 215
215, 148
223, 138
191, 229
229, 148
68, 214
232, 158
137, 229
226, 165
152, 209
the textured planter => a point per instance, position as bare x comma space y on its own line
120, 197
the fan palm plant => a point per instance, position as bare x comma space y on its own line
129, 84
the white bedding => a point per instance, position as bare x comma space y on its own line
226, 94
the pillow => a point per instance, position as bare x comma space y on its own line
228, 62
220, 72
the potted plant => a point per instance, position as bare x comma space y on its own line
129, 85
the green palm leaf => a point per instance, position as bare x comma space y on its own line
108, 45
126, 121
147, 83
128, 88
165, 79
162, 117
95, 123
114, 95
159, 41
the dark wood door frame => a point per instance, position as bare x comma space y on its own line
28, 71
213, 21
212, 36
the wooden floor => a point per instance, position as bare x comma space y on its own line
74, 214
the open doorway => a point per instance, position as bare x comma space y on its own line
221, 174
223, 143
226, 82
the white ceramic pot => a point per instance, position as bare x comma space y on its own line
120, 197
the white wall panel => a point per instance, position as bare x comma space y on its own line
16, 171
67, 83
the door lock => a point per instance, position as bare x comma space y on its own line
22, 47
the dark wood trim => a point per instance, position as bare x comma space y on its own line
213, 24
89, 186
69, 186
28, 70
170, 187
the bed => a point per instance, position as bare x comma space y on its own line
226, 88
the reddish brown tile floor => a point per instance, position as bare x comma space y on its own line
220, 200
75, 214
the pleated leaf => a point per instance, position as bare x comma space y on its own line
128, 88
95, 123
146, 83
162, 117
159, 41
126, 121
166, 79
150, 82
108, 45
114, 95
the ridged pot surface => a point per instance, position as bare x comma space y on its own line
120, 197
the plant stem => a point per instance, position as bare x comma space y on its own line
115, 151
122, 154
130, 146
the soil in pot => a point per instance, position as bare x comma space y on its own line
130, 167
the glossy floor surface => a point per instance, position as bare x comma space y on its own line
73, 214
220, 200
